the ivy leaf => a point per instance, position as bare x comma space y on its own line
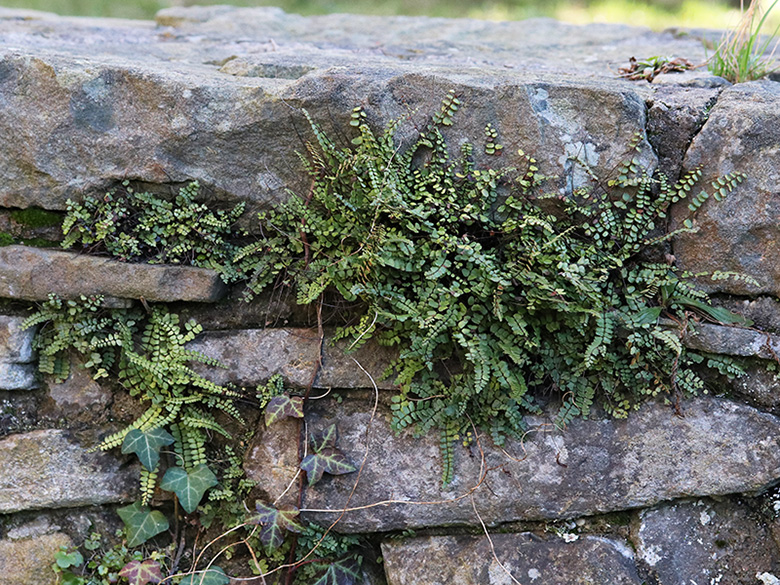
282, 407
189, 487
212, 576
324, 439
274, 524
141, 523
327, 460
147, 445
343, 572
141, 573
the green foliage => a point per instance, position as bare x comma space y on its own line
325, 457
190, 486
494, 294
135, 227
282, 407
212, 576
141, 523
742, 53
151, 362
35, 217
147, 445
275, 523
142, 572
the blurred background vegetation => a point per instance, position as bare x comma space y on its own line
657, 14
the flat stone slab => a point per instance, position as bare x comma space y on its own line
215, 94
33, 273
595, 466
48, 469
528, 558
733, 341
251, 356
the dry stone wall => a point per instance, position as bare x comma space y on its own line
215, 94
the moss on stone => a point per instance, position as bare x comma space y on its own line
35, 217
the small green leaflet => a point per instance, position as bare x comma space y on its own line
282, 407
212, 576
326, 458
343, 572
141, 573
274, 524
189, 487
147, 445
67, 559
141, 523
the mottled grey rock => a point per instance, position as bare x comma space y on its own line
528, 558
763, 311
595, 466
733, 341
216, 95
741, 232
674, 116
48, 469
758, 386
16, 354
78, 398
28, 561
251, 356
32, 274
705, 541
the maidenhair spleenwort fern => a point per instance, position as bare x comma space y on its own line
494, 293
152, 363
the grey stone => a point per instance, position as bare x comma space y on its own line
705, 542
763, 311
79, 397
251, 356
528, 558
16, 354
48, 469
595, 466
733, 341
28, 561
216, 95
739, 233
32, 274
759, 386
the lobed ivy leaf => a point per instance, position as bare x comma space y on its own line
275, 522
146, 445
324, 439
212, 576
141, 523
327, 460
142, 572
343, 572
189, 487
282, 407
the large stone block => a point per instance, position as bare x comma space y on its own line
216, 95
740, 233
48, 469
17, 372
32, 274
251, 356
594, 466
28, 561
516, 558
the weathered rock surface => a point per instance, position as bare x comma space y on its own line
32, 274
705, 541
251, 356
215, 94
595, 466
28, 561
733, 341
48, 469
17, 372
528, 558
741, 232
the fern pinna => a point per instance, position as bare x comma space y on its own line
489, 289
151, 361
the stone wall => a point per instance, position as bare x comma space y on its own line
215, 95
